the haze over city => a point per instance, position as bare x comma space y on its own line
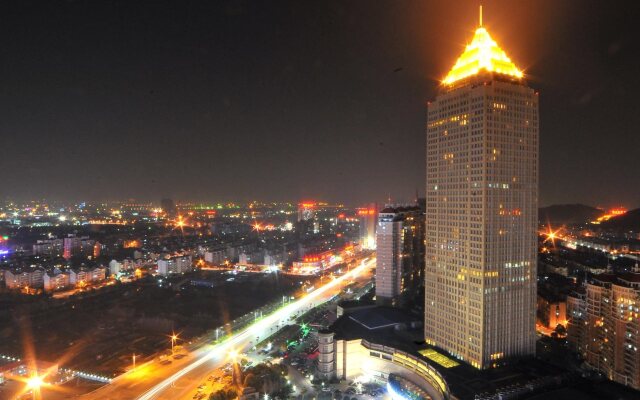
218, 100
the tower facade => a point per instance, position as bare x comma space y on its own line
389, 242
367, 217
481, 209
400, 235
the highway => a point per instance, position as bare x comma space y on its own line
180, 379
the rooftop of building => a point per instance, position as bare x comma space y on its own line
603, 278
399, 209
577, 292
622, 279
381, 318
585, 389
551, 297
366, 300
632, 277
376, 324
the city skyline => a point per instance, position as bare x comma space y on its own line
246, 200
92, 95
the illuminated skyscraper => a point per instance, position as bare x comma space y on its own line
482, 198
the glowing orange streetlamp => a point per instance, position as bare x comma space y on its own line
174, 337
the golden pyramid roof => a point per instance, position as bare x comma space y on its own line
483, 53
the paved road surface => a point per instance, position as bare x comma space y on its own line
180, 379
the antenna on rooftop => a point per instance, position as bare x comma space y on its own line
480, 15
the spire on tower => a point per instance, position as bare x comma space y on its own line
482, 54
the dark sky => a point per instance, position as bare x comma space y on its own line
290, 100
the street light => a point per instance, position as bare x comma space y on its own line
174, 337
35, 383
233, 355
134, 360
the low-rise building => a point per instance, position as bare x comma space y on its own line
347, 351
21, 279
275, 257
56, 281
174, 265
254, 257
551, 311
115, 267
87, 276
216, 256
50, 247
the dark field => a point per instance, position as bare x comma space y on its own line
99, 331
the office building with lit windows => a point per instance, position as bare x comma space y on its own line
481, 209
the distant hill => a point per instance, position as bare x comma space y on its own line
565, 214
629, 221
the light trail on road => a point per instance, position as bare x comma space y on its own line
274, 320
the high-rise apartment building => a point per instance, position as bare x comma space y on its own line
577, 321
74, 245
388, 255
367, 218
481, 209
400, 233
604, 326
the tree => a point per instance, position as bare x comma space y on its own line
284, 393
266, 378
560, 330
223, 395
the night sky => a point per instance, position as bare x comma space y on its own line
293, 100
